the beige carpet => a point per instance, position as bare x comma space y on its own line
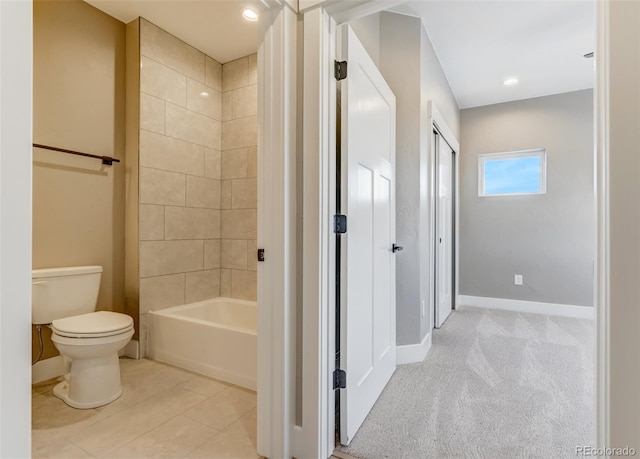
496, 384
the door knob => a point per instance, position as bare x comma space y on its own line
396, 248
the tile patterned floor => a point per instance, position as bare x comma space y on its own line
163, 412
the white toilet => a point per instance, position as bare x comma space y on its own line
66, 298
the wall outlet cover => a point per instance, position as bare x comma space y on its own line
517, 279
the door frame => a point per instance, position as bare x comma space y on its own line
437, 122
319, 144
276, 289
320, 23
15, 165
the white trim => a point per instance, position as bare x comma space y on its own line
318, 402
16, 121
47, 369
602, 271
277, 231
297, 439
552, 309
505, 155
438, 121
428, 233
318, 356
413, 353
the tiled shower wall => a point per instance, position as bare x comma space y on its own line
197, 175
238, 249
179, 153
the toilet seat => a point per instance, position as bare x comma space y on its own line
99, 324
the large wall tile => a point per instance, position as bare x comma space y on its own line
204, 100
233, 254
227, 105
235, 74
152, 113
225, 194
192, 127
253, 68
162, 82
171, 51
184, 223
161, 187
244, 194
151, 221
252, 161
170, 257
234, 163
245, 101
212, 163
213, 73
239, 133
191, 223
161, 292
212, 224
169, 154
244, 285
203, 192
225, 283
203, 285
252, 255
238, 224
212, 254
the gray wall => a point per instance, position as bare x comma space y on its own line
412, 70
368, 31
547, 238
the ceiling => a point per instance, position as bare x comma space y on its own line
481, 43
215, 27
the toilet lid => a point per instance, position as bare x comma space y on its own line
94, 325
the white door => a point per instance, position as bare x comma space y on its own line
368, 292
444, 231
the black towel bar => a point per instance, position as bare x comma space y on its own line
107, 160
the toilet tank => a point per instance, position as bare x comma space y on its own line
57, 293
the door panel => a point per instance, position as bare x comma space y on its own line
444, 236
367, 321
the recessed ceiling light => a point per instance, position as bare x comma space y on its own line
249, 14
204, 94
510, 81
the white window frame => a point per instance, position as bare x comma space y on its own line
537, 152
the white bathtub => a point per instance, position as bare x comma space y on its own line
215, 337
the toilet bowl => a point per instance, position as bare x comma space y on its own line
91, 343
88, 341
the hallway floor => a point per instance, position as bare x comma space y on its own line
163, 412
496, 384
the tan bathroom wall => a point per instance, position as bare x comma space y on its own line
79, 101
179, 173
238, 245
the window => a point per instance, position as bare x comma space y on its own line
513, 173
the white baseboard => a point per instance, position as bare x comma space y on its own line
131, 350
413, 353
552, 309
296, 441
47, 369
